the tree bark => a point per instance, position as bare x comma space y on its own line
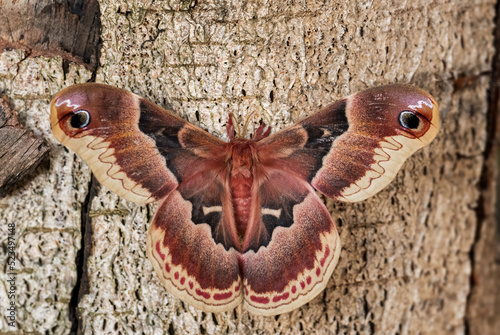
417, 258
69, 28
20, 151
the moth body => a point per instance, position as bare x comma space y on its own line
241, 164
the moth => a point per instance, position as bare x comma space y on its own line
240, 221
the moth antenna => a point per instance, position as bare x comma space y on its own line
245, 126
231, 131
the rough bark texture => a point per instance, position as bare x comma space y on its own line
46, 210
483, 307
69, 28
408, 253
20, 151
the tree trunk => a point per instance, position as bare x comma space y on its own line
419, 257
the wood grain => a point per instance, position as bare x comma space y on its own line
20, 151
50, 27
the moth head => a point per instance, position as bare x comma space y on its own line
397, 110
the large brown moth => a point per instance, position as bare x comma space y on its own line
241, 222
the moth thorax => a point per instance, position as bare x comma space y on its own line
242, 155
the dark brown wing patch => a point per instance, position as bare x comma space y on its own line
300, 149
